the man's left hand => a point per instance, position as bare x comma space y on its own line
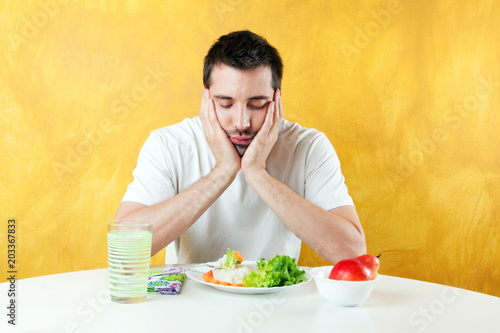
257, 152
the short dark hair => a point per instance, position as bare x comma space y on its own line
243, 50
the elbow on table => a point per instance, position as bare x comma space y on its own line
351, 249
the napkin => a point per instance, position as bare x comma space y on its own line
169, 283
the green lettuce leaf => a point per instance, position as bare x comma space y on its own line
231, 260
278, 271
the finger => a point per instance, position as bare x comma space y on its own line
214, 119
204, 96
277, 107
205, 113
268, 122
212, 115
203, 109
203, 102
276, 114
280, 105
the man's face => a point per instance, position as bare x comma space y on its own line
241, 101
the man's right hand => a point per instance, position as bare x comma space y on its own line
225, 154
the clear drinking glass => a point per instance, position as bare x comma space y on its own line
129, 255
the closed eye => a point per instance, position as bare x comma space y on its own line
252, 107
258, 107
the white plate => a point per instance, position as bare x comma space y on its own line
196, 272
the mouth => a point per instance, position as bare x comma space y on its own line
241, 140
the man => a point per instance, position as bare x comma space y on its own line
239, 176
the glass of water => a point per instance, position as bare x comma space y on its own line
129, 255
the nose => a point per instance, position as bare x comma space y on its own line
241, 118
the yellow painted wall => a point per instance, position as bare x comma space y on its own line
407, 91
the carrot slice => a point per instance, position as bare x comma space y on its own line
206, 277
238, 256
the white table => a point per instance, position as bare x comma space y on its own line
79, 302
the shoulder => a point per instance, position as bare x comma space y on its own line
298, 134
186, 131
303, 144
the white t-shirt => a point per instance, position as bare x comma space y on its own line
174, 157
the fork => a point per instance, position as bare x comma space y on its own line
209, 265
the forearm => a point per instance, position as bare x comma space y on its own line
174, 216
332, 236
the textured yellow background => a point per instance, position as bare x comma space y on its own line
408, 93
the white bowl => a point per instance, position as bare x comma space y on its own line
341, 293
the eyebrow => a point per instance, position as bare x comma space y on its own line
251, 98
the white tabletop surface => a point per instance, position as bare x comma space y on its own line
79, 302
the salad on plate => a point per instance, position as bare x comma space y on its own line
280, 271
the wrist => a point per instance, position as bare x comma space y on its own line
255, 175
225, 174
